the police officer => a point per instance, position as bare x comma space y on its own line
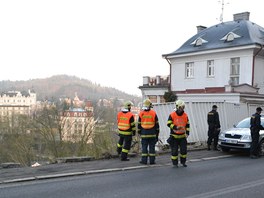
255, 127
148, 129
126, 129
179, 125
213, 128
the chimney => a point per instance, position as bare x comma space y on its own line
200, 28
241, 16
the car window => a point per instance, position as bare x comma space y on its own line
262, 122
244, 123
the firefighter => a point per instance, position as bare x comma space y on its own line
213, 128
148, 129
179, 125
126, 129
255, 127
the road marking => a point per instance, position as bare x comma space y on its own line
227, 190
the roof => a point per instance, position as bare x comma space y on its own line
243, 32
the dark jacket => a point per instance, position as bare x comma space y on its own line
213, 120
255, 122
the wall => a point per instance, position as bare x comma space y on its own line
221, 66
259, 71
229, 114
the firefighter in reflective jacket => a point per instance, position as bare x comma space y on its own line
148, 128
179, 125
126, 129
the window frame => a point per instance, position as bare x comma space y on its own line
234, 70
210, 69
189, 70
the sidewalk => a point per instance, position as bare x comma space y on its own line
11, 175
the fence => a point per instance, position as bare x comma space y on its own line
229, 114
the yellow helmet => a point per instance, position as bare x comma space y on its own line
147, 103
179, 103
128, 104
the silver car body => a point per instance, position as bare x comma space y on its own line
239, 136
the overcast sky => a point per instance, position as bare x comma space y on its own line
113, 43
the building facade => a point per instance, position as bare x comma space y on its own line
154, 88
78, 121
16, 102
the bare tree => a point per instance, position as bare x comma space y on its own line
16, 139
47, 123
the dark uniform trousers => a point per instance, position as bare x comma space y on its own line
212, 136
175, 144
151, 153
254, 149
124, 145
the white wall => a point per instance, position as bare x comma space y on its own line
229, 114
259, 73
222, 70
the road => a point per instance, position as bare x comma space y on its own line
236, 176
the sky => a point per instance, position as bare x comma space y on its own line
114, 43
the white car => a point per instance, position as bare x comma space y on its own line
239, 137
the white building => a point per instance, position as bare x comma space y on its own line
154, 88
78, 121
224, 62
16, 102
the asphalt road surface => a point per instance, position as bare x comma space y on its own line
236, 176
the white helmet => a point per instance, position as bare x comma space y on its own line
179, 103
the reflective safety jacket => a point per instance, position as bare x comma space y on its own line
126, 123
179, 124
148, 124
147, 119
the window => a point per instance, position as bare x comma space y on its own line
230, 36
198, 42
162, 99
210, 68
189, 67
153, 99
234, 71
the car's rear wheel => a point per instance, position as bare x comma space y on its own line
261, 148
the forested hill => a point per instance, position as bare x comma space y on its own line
59, 86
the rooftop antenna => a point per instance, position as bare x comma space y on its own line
221, 19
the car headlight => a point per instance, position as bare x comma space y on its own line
222, 135
246, 137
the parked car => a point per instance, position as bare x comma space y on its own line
239, 137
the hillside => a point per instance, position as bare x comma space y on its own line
59, 86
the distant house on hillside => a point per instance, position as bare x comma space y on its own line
224, 62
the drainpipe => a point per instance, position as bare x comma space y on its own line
253, 64
170, 72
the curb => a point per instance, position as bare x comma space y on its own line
43, 177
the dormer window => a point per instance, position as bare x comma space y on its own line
230, 37
198, 42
